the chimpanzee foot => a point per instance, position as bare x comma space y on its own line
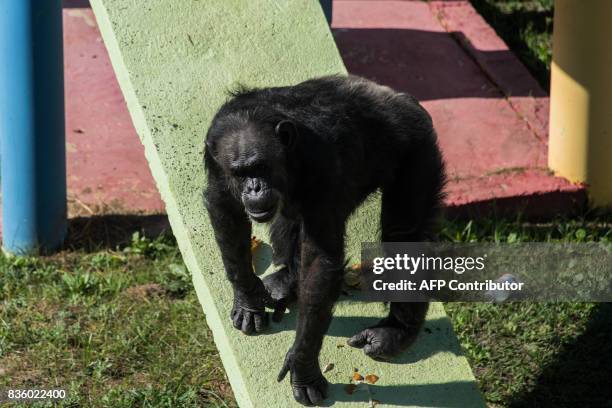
282, 286
249, 309
383, 342
308, 384
312, 393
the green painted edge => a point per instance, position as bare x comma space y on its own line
178, 228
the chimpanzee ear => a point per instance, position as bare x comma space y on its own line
286, 132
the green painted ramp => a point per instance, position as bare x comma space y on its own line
174, 60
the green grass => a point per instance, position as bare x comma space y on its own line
536, 355
123, 328
526, 26
120, 328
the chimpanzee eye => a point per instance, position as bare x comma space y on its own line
240, 178
253, 170
261, 169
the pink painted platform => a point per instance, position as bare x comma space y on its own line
490, 113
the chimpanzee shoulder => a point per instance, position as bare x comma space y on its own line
331, 107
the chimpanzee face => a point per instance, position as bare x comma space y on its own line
254, 159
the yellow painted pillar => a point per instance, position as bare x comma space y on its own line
580, 141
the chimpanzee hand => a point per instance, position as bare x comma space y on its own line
249, 310
307, 382
282, 286
383, 342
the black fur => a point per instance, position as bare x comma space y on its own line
304, 158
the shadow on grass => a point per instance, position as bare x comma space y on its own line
112, 231
581, 374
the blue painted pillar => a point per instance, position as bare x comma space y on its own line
32, 143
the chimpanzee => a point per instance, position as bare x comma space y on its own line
303, 158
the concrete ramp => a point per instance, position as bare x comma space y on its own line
174, 61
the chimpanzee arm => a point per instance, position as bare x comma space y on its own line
320, 279
233, 235
282, 284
